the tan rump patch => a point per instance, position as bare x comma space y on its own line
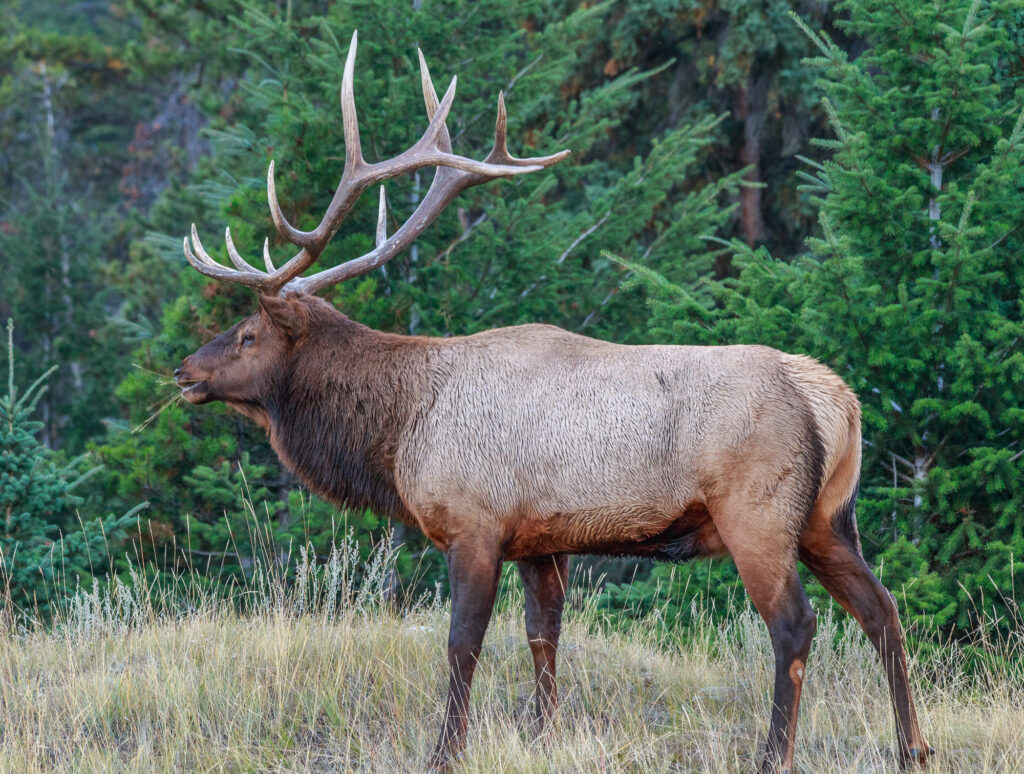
834, 405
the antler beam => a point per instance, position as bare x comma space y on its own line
434, 149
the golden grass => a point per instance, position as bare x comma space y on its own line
297, 685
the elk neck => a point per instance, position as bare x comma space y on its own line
340, 407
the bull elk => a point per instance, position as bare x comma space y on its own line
529, 443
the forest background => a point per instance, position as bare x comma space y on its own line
844, 180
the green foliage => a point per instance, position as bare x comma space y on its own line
913, 292
67, 115
525, 250
738, 58
148, 114
46, 550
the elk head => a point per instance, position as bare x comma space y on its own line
243, 364
239, 365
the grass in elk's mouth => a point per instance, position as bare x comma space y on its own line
323, 673
160, 406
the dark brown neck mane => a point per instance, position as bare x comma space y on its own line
339, 407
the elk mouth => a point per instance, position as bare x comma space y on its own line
194, 391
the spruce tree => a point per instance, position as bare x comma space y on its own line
913, 292
526, 250
68, 109
46, 550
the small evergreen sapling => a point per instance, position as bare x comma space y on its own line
45, 547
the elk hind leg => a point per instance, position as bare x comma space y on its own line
834, 558
791, 624
544, 580
764, 552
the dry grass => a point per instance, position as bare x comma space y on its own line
297, 685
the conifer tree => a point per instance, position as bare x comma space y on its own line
45, 549
738, 58
66, 110
526, 250
913, 292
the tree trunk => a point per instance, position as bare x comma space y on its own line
750, 105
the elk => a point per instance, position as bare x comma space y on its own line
530, 444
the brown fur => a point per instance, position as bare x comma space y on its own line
529, 443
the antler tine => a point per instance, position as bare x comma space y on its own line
436, 135
429, 95
382, 218
443, 140
266, 256
197, 264
284, 228
500, 127
203, 256
499, 153
235, 256
353, 149
192, 259
454, 174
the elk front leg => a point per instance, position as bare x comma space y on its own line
544, 580
473, 569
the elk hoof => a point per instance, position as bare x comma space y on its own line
439, 765
917, 756
443, 761
771, 766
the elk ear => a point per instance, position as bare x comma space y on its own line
286, 314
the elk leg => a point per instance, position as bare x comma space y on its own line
544, 580
473, 570
766, 560
847, 577
791, 624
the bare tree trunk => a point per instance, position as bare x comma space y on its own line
935, 169
61, 319
750, 107
921, 458
414, 251
47, 407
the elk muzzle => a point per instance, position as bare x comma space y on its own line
194, 389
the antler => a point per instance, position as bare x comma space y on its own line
434, 149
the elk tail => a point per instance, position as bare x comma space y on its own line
836, 413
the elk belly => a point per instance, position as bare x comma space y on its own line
640, 531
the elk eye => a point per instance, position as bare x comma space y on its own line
248, 338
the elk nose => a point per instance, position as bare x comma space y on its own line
177, 372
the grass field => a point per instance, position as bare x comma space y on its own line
298, 683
